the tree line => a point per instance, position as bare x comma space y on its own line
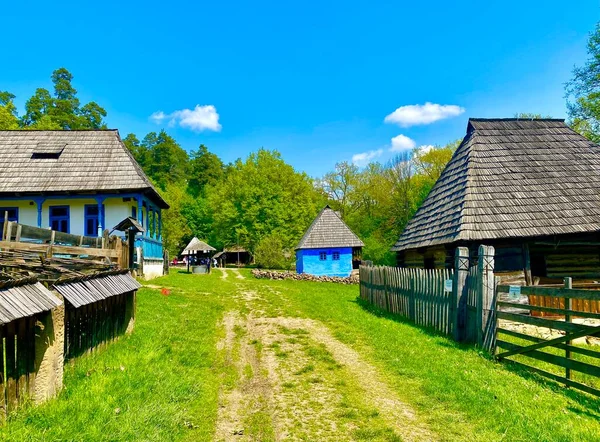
262, 203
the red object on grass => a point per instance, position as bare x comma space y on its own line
165, 292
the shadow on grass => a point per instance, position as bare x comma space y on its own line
430, 331
590, 404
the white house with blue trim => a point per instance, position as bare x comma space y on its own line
329, 247
79, 182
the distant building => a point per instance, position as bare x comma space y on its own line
79, 182
530, 188
329, 247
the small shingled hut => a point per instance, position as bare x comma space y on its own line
196, 246
530, 188
329, 247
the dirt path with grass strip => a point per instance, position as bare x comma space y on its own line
295, 381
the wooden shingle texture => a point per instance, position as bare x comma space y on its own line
20, 299
511, 178
80, 161
196, 245
97, 288
328, 231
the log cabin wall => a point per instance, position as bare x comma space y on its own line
544, 258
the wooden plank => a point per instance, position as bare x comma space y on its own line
550, 342
11, 367
548, 323
557, 378
22, 360
557, 311
573, 348
2, 379
555, 292
59, 250
560, 361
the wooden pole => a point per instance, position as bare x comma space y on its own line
568, 306
486, 295
527, 264
459, 293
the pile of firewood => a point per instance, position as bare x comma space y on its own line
271, 274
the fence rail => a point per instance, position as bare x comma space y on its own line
545, 357
420, 295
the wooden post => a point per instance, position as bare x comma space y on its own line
486, 291
527, 264
568, 306
385, 288
459, 293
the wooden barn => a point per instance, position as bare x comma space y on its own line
329, 247
530, 188
80, 182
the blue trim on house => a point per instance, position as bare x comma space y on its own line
311, 261
151, 248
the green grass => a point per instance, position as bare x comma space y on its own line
162, 382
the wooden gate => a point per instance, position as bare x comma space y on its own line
557, 348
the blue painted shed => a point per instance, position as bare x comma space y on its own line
329, 247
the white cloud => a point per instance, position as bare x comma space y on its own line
402, 142
198, 119
416, 114
425, 149
362, 159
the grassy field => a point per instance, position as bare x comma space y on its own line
228, 357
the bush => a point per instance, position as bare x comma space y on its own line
270, 253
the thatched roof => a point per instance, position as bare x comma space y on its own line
196, 245
511, 178
69, 161
328, 231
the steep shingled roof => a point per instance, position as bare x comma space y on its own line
511, 178
327, 231
196, 245
45, 161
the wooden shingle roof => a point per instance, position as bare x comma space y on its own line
328, 231
511, 178
196, 245
35, 162
23, 298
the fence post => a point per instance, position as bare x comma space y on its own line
568, 306
486, 292
412, 297
459, 294
385, 288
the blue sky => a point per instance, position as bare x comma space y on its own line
314, 80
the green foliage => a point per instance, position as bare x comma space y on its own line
271, 253
63, 110
176, 230
260, 196
8, 112
584, 92
206, 169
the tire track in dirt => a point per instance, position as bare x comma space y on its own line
252, 394
397, 414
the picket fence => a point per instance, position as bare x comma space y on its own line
454, 302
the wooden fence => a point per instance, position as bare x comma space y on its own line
455, 302
24, 238
92, 325
17, 364
417, 294
520, 339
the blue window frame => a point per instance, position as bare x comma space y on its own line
336, 256
322, 256
13, 214
90, 226
60, 218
